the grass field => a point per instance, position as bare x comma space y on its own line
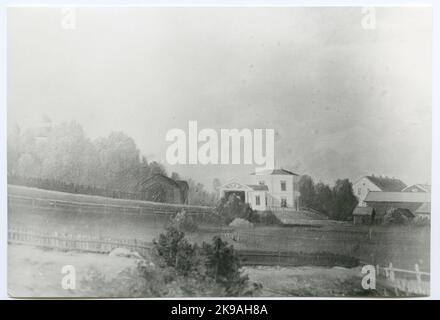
403, 246
308, 281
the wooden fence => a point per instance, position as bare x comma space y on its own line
134, 207
70, 242
392, 281
293, 242
60, 186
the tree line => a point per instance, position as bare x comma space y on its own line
337, 202
65, 159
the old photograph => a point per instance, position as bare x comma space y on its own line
218, 151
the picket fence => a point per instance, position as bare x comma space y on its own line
78, 242
401, 282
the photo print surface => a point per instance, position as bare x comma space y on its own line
219, 151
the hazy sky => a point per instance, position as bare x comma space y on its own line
344, 101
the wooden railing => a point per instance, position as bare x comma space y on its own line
401, 282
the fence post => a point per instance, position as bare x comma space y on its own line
56, 239
279, 258
391, 272
419, 277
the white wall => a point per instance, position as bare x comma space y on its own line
252, 201
275, 194
361, 189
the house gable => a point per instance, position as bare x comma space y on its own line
234, 185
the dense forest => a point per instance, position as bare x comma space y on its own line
62, 156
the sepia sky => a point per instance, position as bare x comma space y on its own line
344, 101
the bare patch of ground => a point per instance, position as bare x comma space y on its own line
36, 272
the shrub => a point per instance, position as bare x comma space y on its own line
233, 207
176, 251
397, 216
421, 221
269, 218
223, 266
184, 221
212, 269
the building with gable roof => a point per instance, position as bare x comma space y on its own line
418, 203
270, 190
375, 183
160, 188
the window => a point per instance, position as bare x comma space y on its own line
261, 183
283, 185
257, 200
283, 203
265, 199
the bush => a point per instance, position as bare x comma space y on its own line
421, 221
269, 218
176, 251
184, 221
397, 216
223, 266
233, 207
212, 269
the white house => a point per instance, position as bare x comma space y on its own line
270, 190
374, 183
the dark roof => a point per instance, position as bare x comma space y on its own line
258, 187
379, 196
158, 176
178, 183
275, 171
387, 184
363, 211
182, 184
